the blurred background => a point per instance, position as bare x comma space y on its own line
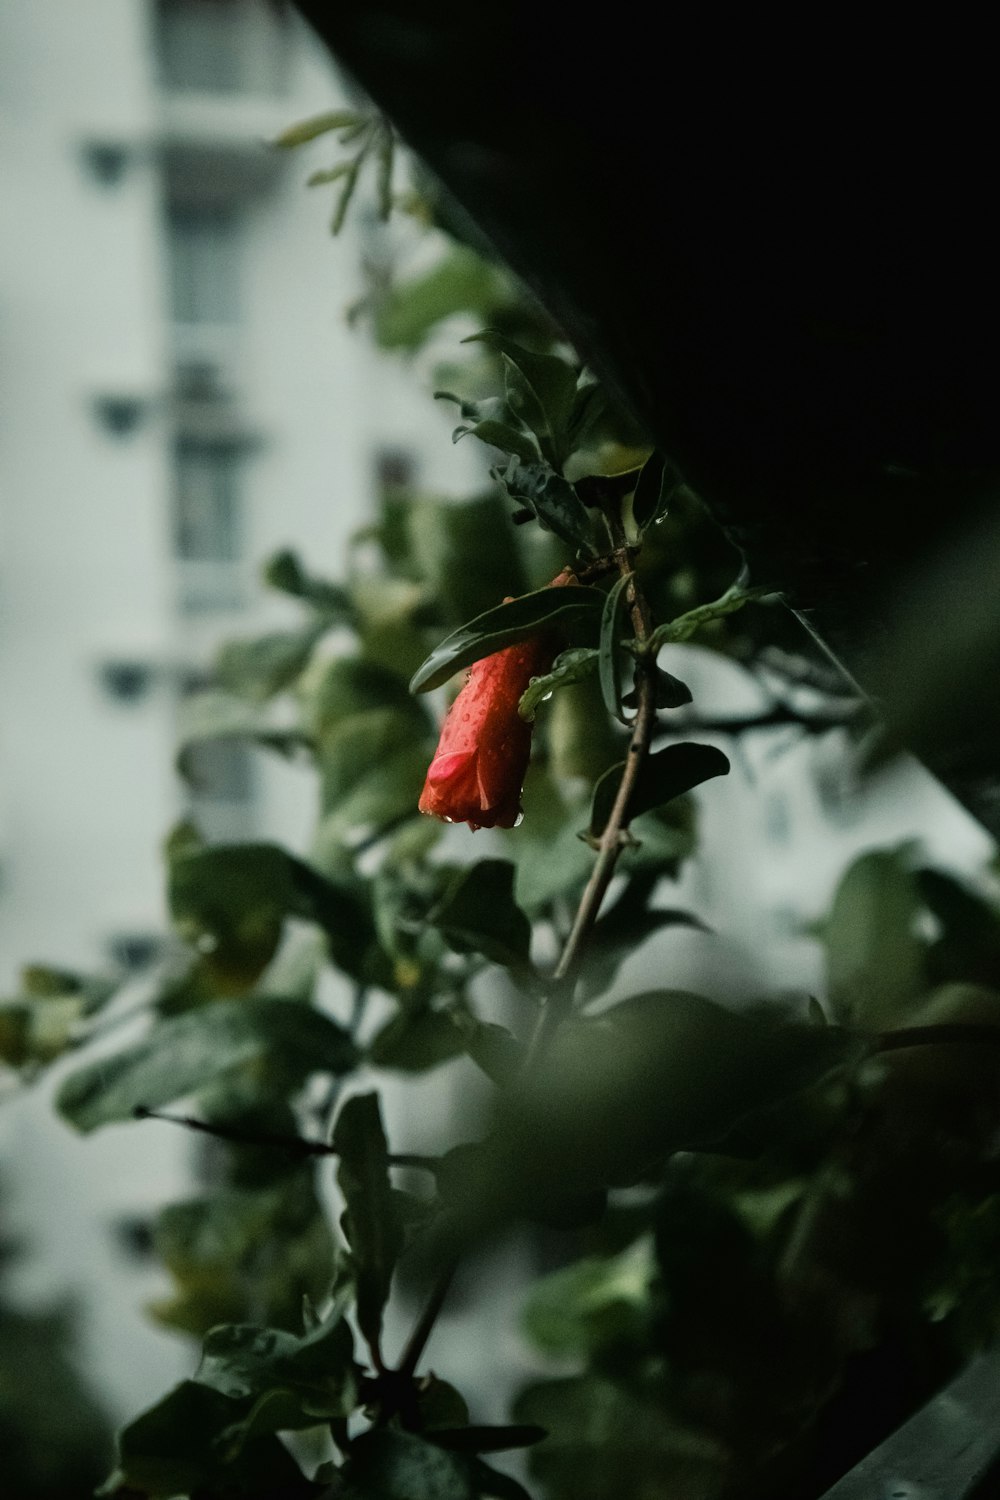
185, 392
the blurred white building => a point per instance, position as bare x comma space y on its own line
182, 396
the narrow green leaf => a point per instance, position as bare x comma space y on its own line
685, 626
574, 665
329, 174
609, 657
541, 390
185, 1053
547, 609
651, 492
385, 151
317, 125
371, 1222
500, 435
345, 196
479, 915
666, 774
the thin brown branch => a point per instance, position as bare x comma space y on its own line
292, 1145
956, 1034
417, 1341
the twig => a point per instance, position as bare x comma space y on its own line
417, 1341
612, 841
778, 717
974, 1034
293, 1145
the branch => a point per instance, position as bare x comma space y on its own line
292, 1145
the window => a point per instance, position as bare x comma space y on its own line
221, 46
207, 507
204, 263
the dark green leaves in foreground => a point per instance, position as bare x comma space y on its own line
185, 1053
389, 1465
184, 1445
661, 1072
370, 1223
551, 608
664, 775
479, 915
604, 1441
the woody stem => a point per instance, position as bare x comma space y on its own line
612, 837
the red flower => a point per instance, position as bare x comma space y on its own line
482, 755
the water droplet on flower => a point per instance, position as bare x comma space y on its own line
520, 817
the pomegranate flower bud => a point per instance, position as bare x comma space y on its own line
482, 755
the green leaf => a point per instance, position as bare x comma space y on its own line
551, 499
317, 125
340, 687
230, 902
385, 151
389, 1465
649, 497
603, 1441
466, 553
541, 389
179, 1447
494, 1486
500, 435
593, 1304
354, 750
875, 956
259, 668
610, 653
371, 1222
546, 609
316, 1371
461, 282
491, 1047
574, 665
479, 915
329, 174
415, 1041
623, 930
210, 715
665, 774
350, 182
185, 1053
245, 1252
284, 571
685, 626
